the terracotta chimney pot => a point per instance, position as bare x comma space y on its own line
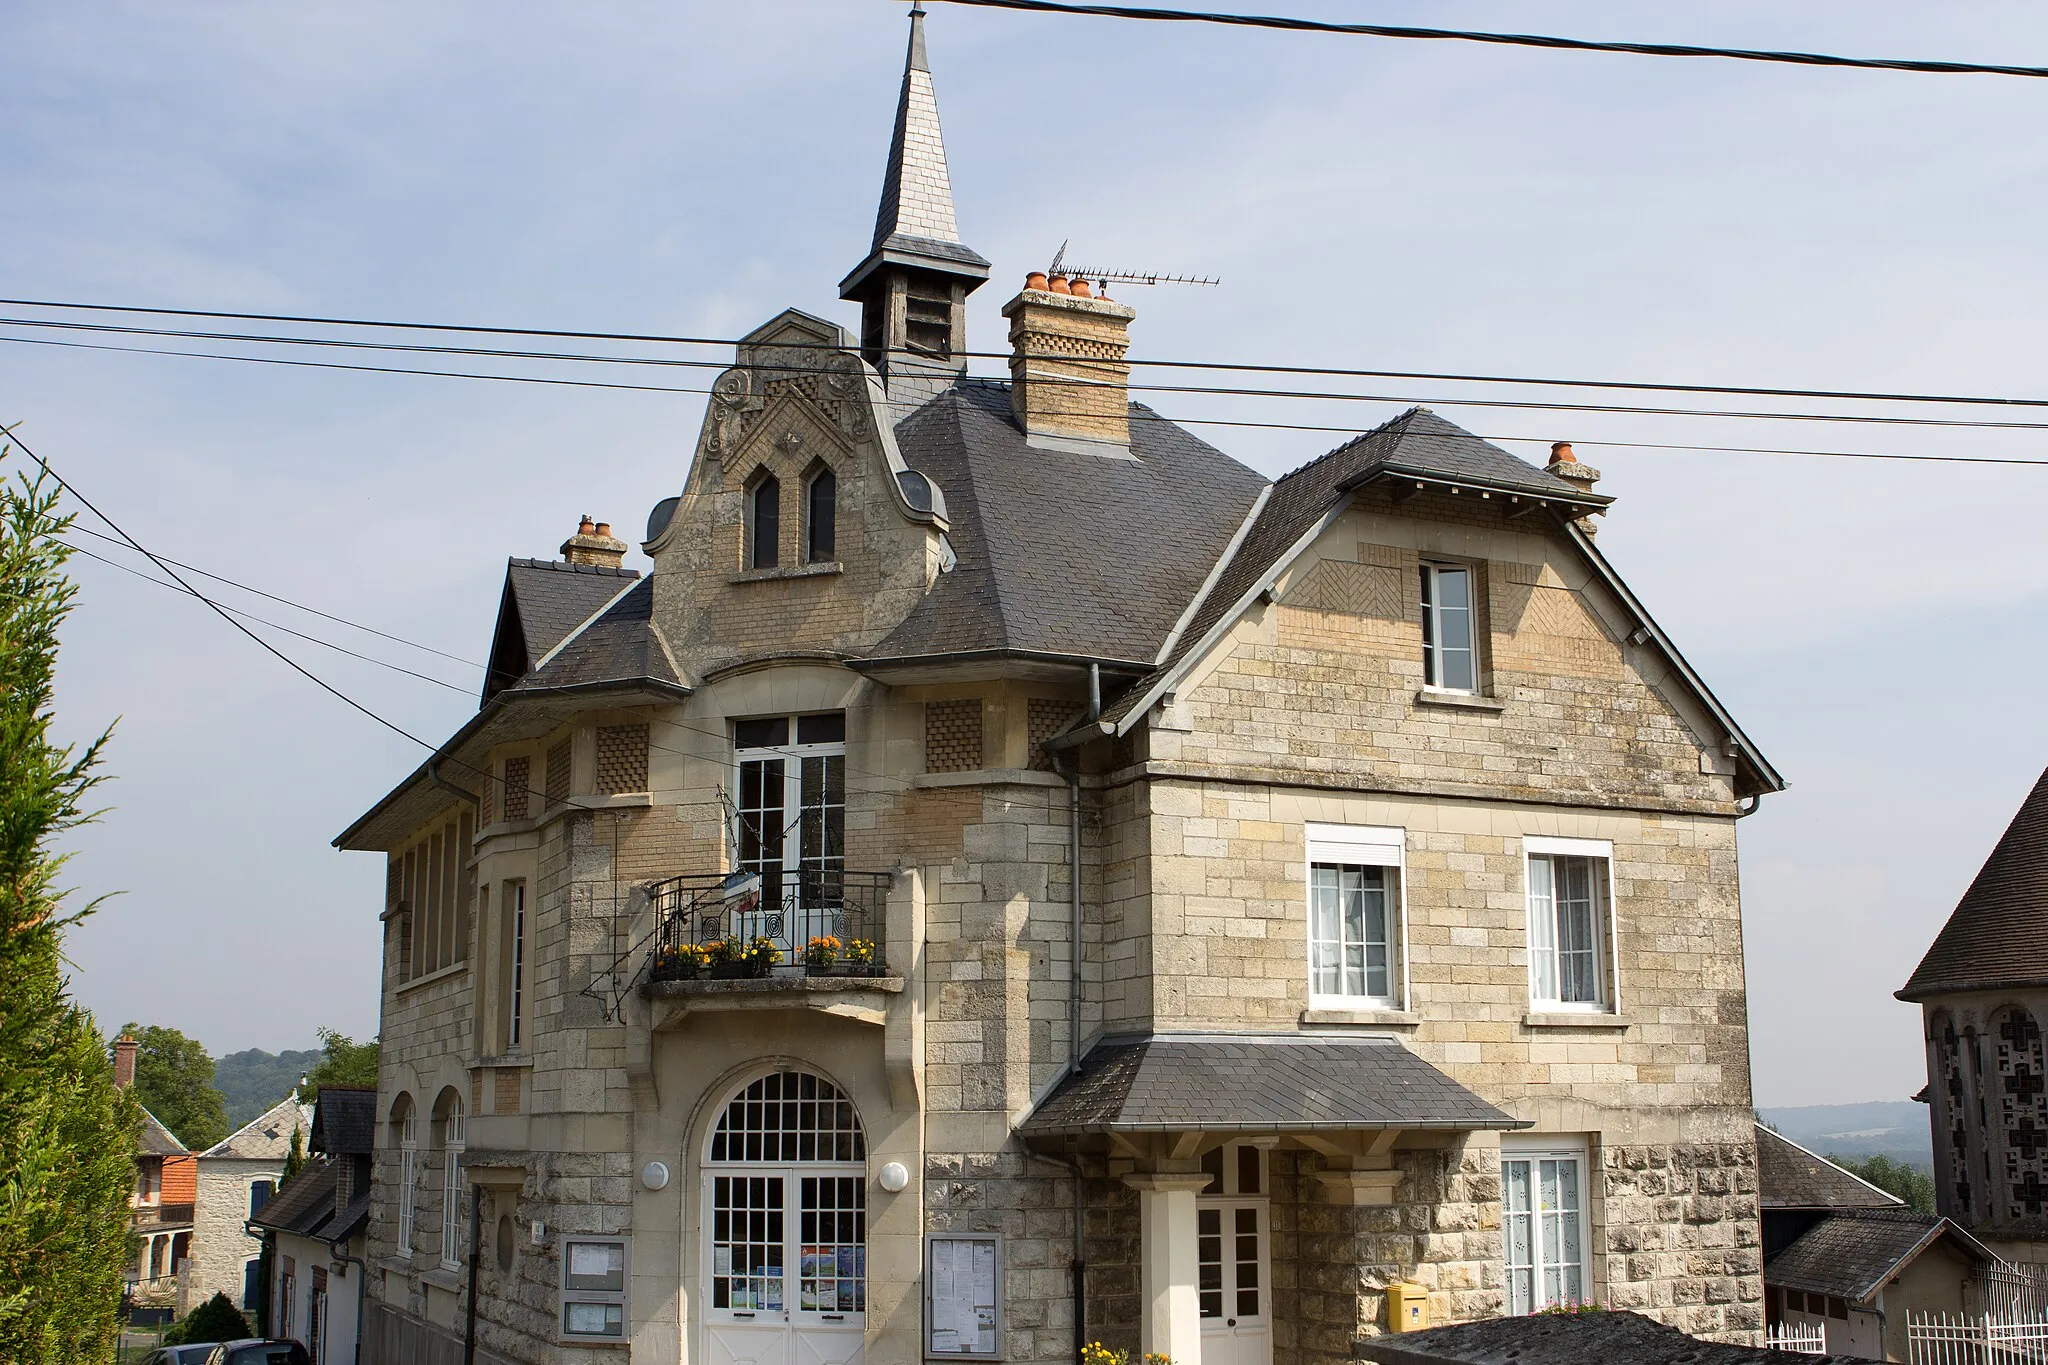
124, 1062
584, 527
1059, 285
1561, 453
1083, 290
604, 528
594, 544
1035, 280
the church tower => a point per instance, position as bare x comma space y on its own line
914, 284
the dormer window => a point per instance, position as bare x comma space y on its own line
1448, 661
764, 523
821, 505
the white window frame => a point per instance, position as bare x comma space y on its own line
1607, 967
605, 1297
792, 755
517, 891
408, 1174
1360, 846
1433, 626
454, 1136
1535, 1148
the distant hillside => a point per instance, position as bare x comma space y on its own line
254, 1080
1893, 1128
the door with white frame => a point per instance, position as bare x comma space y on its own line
785, 1226
1543, 1196
1233, 1257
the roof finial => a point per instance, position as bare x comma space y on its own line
917, 60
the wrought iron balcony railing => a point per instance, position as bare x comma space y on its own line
745, 924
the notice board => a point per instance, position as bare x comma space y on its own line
963, 1296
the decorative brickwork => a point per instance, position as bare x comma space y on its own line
518, 787
1047, 717
558, 774
506, 1100
2022, 1112
621, 758
952, 736
486, 798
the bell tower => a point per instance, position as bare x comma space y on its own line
914, 283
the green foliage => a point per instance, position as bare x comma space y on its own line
1908, 1182
295, 1159
253, 1080
215, 1320
67, 1136
346, 1062
174, 1081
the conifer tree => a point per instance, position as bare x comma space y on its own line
67, 1135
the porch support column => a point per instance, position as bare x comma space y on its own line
1170, 1315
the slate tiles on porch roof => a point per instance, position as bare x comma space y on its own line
1249, 1083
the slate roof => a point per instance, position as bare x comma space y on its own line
619, 647
344, 1120
1418, 442
305, 1204
1852, 1255
1081, 555
153, 1139
543, 600
1790, 1177
1612, 1338
268, 1136
1998, 933
1257, 1083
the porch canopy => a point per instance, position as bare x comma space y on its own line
1239, 1084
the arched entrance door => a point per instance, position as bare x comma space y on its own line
785, 1226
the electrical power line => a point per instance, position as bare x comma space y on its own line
1741, 54
252, 616
1729, 390
1176, 421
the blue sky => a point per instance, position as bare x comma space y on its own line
694, 168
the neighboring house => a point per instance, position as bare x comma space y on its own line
1983, 993
1277, 891
237, 1176
319, 1221
165, 1188
1848, 1258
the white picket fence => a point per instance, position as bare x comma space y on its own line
1805, 1338
2014, 1293
1939, 1339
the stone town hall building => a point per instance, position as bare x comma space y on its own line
1260, 893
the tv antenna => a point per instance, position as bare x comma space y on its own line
1104, 277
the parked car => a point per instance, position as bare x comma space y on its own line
255, 1351
182, 1355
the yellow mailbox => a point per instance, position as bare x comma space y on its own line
1407, 1307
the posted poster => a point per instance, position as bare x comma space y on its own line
962, 1281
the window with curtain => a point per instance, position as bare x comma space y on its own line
1354, 913
1568, 924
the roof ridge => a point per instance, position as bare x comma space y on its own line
1362, 437
564, 566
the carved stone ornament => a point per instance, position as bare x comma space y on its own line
732, 398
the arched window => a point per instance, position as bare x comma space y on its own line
450, 1123
764, 523
821, 498
2018, 1083
406, 1125
787, 1206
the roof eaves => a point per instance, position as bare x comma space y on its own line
1187, 662
1914, 993
1769, 778
1435, 478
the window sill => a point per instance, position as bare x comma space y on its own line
504, 1060
1318, 1017
397, 1265
1460, 701
1589, 1019
454, 1279
795, 571
438, 974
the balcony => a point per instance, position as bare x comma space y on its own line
797, 940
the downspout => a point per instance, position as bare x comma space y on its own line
434, 777
338, 1252
476, 1212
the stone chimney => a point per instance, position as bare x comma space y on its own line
1565, 465
1069, 384
124, 1062
593, 543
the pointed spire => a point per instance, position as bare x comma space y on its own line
914, 283
917, 191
